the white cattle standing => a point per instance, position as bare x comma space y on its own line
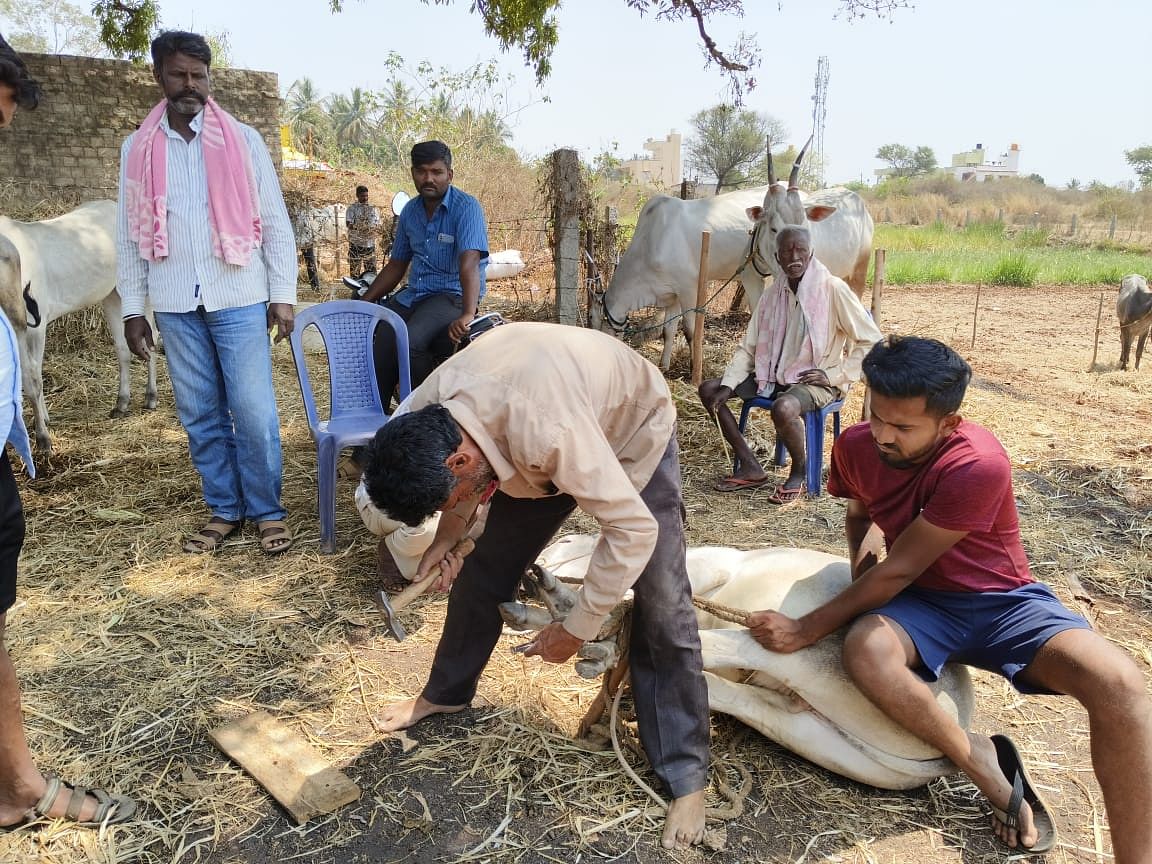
1134, 312
69, 263
804, 700
661, 264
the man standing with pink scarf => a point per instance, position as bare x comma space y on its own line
204, 235
803, 348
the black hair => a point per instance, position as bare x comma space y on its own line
180, 42
406, 475
427, 152
905, 367
14, 74
360, 189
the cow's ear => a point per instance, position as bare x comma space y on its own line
754, 213
819, 212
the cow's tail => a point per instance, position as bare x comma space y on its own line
32, 306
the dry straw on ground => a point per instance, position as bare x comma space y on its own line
129, 651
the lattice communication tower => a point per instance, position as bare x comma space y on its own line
819, 111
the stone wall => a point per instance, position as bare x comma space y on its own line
67, 151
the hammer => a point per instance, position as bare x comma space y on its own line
391, 606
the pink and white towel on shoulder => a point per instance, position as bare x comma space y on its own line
233, 200
812, 294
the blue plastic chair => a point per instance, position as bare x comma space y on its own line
346, 326
814, 422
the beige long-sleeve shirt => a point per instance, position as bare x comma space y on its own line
565, 409
853, 333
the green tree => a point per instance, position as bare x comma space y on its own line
52, 27
729, 142
906, 162
305, 115
1141, 161
525, 25
352, 118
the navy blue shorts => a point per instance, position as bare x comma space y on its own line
1000, 631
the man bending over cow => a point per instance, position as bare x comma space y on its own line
802, 349
539, 419
955, 587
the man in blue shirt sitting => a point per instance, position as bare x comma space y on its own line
442, 235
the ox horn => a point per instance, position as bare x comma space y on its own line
795, 175
771, 168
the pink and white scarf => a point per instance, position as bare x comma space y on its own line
813, 292
233, 202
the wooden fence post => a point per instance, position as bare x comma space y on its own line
975, 313
1112, 228
701, 301
878, 274
1072, 230
566, 219
1096, 338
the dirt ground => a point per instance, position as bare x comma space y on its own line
130, 652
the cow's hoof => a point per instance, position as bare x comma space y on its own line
118, 412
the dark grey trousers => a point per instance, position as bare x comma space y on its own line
428, 342
667, 671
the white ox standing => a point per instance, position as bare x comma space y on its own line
661, 264
69, 263
804, 701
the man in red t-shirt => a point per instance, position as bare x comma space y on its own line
955, 587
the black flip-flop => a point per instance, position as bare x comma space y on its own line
1022, 790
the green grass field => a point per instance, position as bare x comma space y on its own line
986, 253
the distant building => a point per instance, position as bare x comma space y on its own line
974, 165
663, 167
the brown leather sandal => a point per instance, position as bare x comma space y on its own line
110, 809
275, 536
210, 538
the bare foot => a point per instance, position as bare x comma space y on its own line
684, 826
408, 713
989, 779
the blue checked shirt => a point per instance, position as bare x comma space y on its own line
434, 245
12, 429
191, 275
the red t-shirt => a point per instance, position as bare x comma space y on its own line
965, 486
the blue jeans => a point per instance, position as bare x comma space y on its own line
221, 368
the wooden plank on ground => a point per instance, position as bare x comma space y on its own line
286, 765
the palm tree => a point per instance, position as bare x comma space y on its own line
352, 117
304, 111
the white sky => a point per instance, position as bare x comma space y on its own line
1070, 82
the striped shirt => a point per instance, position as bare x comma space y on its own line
12, 429
191, 275
434, 245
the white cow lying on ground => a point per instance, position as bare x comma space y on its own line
69, 263
804, 700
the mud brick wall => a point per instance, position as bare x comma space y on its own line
67, 151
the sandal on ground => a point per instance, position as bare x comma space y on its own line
1022, 790
212, 536
784, 494
735, 484
392, 581
275, 536
110, 809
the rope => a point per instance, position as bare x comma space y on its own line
724, 613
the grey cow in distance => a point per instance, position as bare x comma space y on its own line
1134, 312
